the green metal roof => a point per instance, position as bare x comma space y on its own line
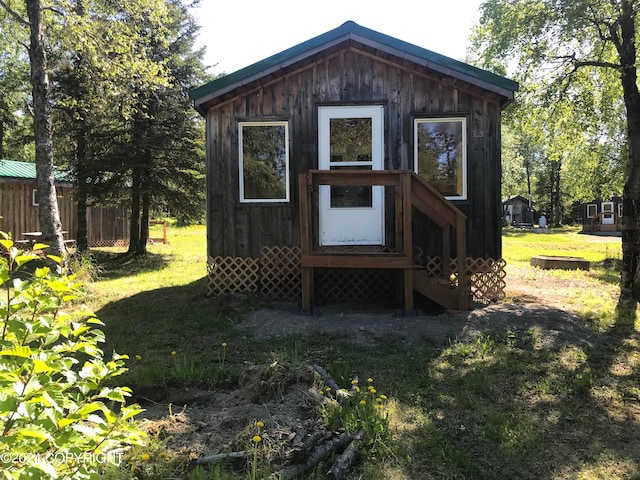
351, 30
27, 171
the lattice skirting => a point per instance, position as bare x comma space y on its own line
277, 274
109, 243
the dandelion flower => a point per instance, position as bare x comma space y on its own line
259, 424
357, 389
145, 457
363, 402
256, 439
224, 344
354, 381
383, 397
379, 407
138, 357
379, 400
327, 389
174, 352
372, 390
370, 380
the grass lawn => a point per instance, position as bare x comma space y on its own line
500, 407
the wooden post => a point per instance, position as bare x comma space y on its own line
461, 248
446, 251
407, 243
304, 184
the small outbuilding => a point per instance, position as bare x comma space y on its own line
517, 211
106, 226
355, 167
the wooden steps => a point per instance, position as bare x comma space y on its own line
441, 291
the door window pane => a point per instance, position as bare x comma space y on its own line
351, 147
353, 195
350, 139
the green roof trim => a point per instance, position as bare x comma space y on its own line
27, 171
351, 29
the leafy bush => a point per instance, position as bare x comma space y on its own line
59, 418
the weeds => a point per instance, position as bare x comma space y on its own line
365, 409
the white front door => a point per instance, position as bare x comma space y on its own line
351, 138
607, 213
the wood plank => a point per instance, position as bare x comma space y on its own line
355, 177
356, 261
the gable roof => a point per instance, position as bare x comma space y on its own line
514, 198
27, 171
352, 31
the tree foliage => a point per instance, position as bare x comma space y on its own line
576, 60
60, 415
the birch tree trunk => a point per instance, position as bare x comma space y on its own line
49, 214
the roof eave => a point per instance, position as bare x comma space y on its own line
493, 83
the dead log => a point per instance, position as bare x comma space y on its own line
346, 460
340, 393
334, 445
220, 457
301, 448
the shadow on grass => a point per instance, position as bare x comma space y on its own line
118, 265
502, 408
608, 270
172, 335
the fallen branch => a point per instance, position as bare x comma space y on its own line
340, 393
316, 455
220, 457
301, 448
347, 459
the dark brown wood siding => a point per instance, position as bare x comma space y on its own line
347, 76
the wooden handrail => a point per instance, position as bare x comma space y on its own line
411, 191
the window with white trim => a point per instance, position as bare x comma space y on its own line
592, 210
440, 154
264, 161
34, 198
620, 210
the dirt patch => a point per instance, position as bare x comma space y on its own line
195, 422
351, 324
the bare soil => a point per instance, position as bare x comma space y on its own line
197, 422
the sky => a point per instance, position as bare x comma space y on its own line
238, 33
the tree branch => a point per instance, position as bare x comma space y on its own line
14, 14
595, 63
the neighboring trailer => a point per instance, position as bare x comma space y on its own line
600, 215
106, 226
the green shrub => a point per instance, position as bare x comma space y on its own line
59, 417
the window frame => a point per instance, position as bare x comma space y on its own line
287, 177
464, 154
34, 198
592, 206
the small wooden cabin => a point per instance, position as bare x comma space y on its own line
355, 167
517, 211
601, 215
106, 226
